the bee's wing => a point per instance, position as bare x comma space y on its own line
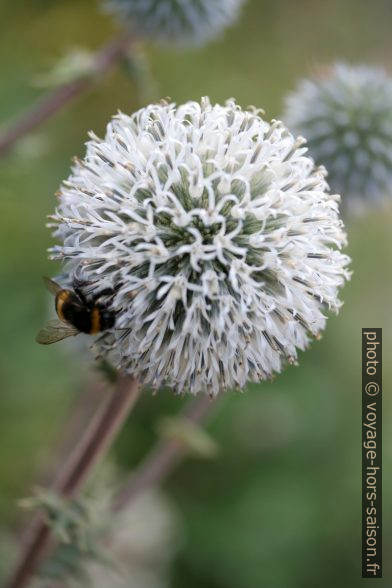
54, 331
51, 285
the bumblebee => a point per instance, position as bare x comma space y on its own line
76, 313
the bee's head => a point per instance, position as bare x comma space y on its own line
108, 319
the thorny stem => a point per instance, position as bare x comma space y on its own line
163, 458
53, 101
92, 446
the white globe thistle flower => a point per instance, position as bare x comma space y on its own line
216, 233
178, 22
346, 117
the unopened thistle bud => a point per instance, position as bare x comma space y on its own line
178, 22
346, 116
217, 235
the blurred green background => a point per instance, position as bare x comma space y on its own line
281, 506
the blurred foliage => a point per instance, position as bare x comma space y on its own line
280, 506
75, 64
78, 525
193, 438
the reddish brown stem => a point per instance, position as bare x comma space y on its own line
162, 459
53, 101
92, 446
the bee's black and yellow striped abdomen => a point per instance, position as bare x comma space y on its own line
87, 319
78, 313
96, 323
62, 298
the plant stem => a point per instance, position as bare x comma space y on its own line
53, 101
92, 446
162, 459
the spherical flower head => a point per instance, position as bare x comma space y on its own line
346, 116
177, 22
216, 233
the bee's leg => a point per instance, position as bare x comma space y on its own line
106, 292
80, 295
104, 302
80, 285
109, 293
